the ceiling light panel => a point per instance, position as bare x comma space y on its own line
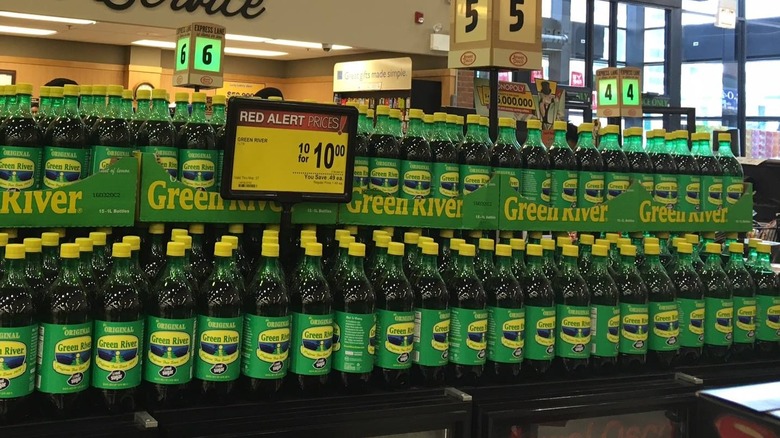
26, 31
21, 16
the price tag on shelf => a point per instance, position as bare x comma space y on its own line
288, 152
199, 53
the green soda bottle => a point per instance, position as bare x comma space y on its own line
448, 271
235, 272
384, 152
266, 345
744, 303
483, 265
416, 159
415, 267
85, 269
242, 260
96, 105
604, 312
484, 127
186, 240
474, 158
691, 182
157, 134
56, 95
690, 302
218, 111
118, 333
181, 114
468, 324
572, 315
586, 253
328, 262
767, 303
311, 305
431, 320
733, 175
561, 240
663, 244
18, 323
380, 262
505, 154
50, 254
394, 324
663, 313
634, 312
752, 258
20, 146
143, 110
443, 239
506, 320
445, 177
539, 300
66, 322
617, 176
535, 166
360, 171
458, 129
85, 100
100, 263
638, 160
44, 107
336, 274
590, 183
519, 269
219, 328
110, 138
354, 324
198, 154
412, 254
549, 266
127, 105
563, 170
200, 261
452, 130
142, 281
34, 270
712, 175
665, 189
473, 236
152, 258
65, 152
718, 307
726, 254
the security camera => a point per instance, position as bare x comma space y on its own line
327, 46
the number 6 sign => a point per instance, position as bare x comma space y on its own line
199, 52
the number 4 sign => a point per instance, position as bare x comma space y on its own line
199, 53
619, 92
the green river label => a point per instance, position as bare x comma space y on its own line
506, 335
633, 328
64, 357
360, 175
590, 189
394, 339
167, 157
116, 356
665, 330
311, 344
615, 184
645, 179
20, 168
665, 190
104, 156
445, 180
266, 346
63, 166
198, 168
767, 318
563, 188
744, 320
690, 193
473, 177
733, 187
539, 333
718, 329
468, 336
415, 179
513, 174
353, 337
712, 189
384, 175
169, 350
18, 352
605, 330
691, 322
431, 337
219, 348
535, 185
573, 327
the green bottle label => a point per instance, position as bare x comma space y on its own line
219, 349
665, 334
690, 193
768, 318
718, 313
18, 352
665, 189
394, 339
535, 185
312, 343
266, 346
431, 337
474, 177
104, 156
513, 174
117, 355
733, 188
744, 320
64, 357
360, 175
167, 157
691, 322
540, 334
563, 188
633, 328
198, 168
645, 179
354, 338
590, 189
384, 175
415, 179
712, 189
63, 166
20, 168
573, 327
468, 336
506, 335
169, 350
605, 330
446, 180
616, 184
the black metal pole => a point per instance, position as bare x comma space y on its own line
493, 103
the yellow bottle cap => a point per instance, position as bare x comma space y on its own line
314, 249
382, 110
270, 249
467, 250
85, 244
560, 125
156, 228
423, 240
548, 244
357, 249
651, 240
670, 136
270, 233
271, 239
62, 232
535, 234
4, 239
586, 239
503, 250
753, 243
764, 248
451, 118
198, 97
447, 234
236, 228
652, 249
339, 234
613, 237
486, 244
12, 233
98, 238
98, 90
24, 89
600, 250
681, 134
428, 118
736, 247
388, 230
570, 251
411, 238
69, 251
276, 98
724, 137
677, 241
692, 239
362, 108
185, 240
623, 241
114, 90
218, 99
475, 234
48, 239
178, 232
563, 241
353, 229
308, 233
430, 248
273, 227
232, 240
346, 241
14, 251
32, 244
712, 248
455, 243
133, 241
143, 95
159, 94
459, 120
585, 127
376, 233
70, 90
484, 121
517, 244
223, 249
732, 235
370, 114
506, 122
439, 117
395, 113
394, 249
43, 90
127, 94
473, 119
684, 247
534, 250
175, 249
197, 229
419, 231
383, 241
610, 129
53, 91
533, 124
604, 242
506, 234
628, 250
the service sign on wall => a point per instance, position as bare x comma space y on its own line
199, 52
375, 74
496, 33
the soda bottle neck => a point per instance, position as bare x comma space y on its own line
71, 106
630, 144
713, 261
15, 270
763, 261
653, 261
585, 141
724, 149
182, 112
503, 266
98, 104
23, 106
569, 264
198, 112
559, 141
535, 264
134, 258
86, 104
33, 264
114, 107
10, 104
143, 111
610, 143
736, 259
121, 268
69, 269
599, 264
269, 266
485, 257
534, 138
85, 259
627, 263
218, 115
395, 266
362, 122
415, 128
160, 111
174, 264
507, 135
127, 109
223, 266
466, 267
56, 106
440, 132
472, 133
355, 264
428, 263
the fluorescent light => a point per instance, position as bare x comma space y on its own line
252, 52
45, 18
305, 45
247, 38
155, 43
26, 31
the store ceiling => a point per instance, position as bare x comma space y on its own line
125, 35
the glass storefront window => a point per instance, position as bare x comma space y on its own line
701, 87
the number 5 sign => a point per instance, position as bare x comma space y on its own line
496, 33
199, 52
